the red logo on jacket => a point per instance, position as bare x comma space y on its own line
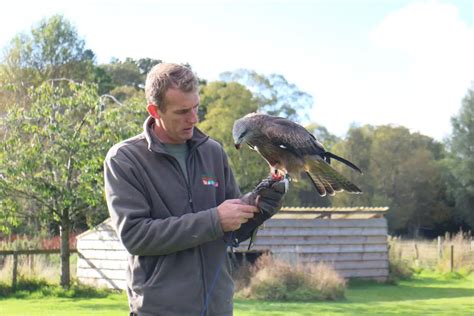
210, 181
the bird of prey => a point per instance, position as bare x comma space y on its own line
291, 150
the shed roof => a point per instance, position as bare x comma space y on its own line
290, 212
355, 212
105, 225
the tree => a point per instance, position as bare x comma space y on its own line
275, 95
124, 73
124, 79
51, 50
356, 147
52, 156
402, 170
130, 72
461, 161
145, 64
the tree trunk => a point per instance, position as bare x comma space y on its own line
64, 232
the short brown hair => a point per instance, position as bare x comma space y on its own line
165, 76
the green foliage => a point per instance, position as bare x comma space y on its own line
124, 93
398, 268
124, 73
457, 275
130, 72
402, 170
57, 165
37, 288
20, 243
461, 162
51, 50
53, 154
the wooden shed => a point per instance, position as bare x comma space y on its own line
353, 240
102, 259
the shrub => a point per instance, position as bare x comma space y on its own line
398, 268
278, 280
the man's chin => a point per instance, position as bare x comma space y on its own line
188, 134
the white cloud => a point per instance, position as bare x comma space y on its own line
424, 29
414, 70
439, 48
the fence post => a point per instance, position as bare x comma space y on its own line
417, 255
32, 264
15, 270
452, 258
440, 255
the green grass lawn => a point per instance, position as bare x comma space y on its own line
427, 294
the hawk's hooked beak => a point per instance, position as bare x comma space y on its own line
237, 146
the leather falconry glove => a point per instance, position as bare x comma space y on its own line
268, 197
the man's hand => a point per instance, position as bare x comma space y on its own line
268, 198
233, 213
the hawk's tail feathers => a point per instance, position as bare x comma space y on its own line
317, 184
327, 180
344, 161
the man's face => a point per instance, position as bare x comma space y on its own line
177, 121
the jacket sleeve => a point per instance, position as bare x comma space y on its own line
142, 235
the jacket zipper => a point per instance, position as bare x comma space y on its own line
201, 254
190, 200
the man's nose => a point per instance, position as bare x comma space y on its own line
194, 116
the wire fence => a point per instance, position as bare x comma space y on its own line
445, 253
31, 263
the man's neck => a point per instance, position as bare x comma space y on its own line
160, 132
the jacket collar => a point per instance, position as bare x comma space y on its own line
154, 144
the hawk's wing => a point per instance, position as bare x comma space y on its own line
287, 135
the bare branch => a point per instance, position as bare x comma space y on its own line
110, 97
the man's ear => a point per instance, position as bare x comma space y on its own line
153, 110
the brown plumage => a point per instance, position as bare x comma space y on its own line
290, 150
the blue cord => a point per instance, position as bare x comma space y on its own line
216, 276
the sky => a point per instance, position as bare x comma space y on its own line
399, 62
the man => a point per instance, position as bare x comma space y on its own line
175, 205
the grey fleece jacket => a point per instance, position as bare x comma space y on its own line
171, 228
